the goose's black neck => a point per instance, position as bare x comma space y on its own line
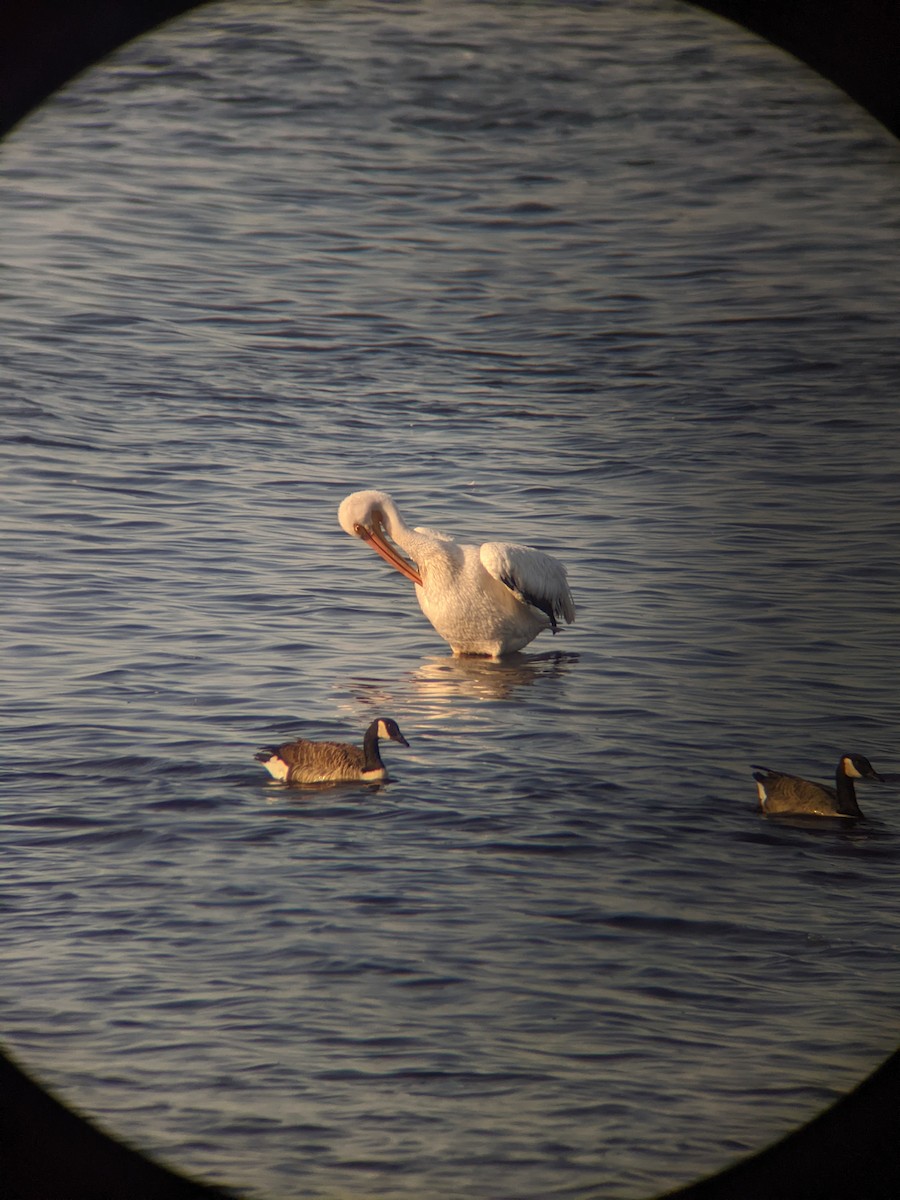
371, 755
846, 793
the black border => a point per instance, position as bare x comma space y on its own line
854, 43
849, 1152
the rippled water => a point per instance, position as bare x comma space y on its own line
618, 281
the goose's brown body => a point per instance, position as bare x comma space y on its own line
305, 761
781, 793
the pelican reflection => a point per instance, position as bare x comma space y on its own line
449, 677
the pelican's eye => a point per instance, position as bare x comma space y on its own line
360, 530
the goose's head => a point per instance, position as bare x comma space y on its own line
856, 766
386, 727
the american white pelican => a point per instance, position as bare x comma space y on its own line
491, 599
331, 762
780, 793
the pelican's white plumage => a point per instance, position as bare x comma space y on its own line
491, 599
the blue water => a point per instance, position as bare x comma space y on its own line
618, 281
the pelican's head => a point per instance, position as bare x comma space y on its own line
372, 516
363, 512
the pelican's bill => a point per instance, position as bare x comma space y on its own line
389, 553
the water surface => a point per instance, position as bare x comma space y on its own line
618, 281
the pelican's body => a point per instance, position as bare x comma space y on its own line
491, 599
331, 762
780, 793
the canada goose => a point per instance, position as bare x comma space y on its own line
780, 793
327, 762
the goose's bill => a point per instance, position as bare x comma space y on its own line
388, 553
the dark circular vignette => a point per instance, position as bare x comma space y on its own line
854, 43
849, 1152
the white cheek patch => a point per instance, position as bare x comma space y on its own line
383, 730
277, 768
849, 770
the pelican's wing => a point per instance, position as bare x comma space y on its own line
532, 576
